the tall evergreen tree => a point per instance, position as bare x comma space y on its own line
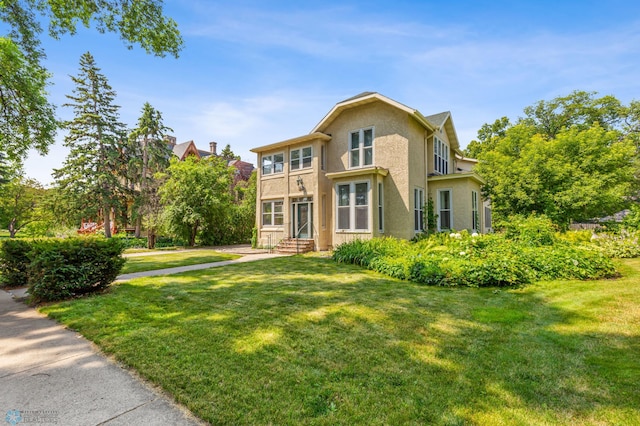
149, 154
91, 173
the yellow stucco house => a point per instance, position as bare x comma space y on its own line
366, 170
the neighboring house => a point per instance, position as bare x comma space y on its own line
183, 150
366, 170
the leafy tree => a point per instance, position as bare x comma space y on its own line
5, 172
149, 154
488, 135
18, 204
569, 159
196, 194
91, 174
27, 119
23, 78
578, 109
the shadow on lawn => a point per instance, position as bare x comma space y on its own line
303, 340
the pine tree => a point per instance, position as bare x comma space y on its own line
92, 172
149, 154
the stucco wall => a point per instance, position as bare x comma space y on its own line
392, 129
461, 188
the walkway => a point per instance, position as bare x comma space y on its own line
179, 269
52, 375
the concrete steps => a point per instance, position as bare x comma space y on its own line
295, 245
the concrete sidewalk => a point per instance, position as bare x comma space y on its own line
178, 269
51, 375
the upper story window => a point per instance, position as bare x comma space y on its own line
272, 164
440, 156
361, 148
300, 158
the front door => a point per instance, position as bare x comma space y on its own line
302, 226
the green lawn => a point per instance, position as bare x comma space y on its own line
302, 340
173, 259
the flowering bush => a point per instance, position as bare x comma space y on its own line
506, 259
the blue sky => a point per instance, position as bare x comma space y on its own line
257, 72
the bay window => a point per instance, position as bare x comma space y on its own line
352, 206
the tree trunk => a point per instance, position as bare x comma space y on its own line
151, 239
138, 226
12, 228
143, 184
192, 237
107, 221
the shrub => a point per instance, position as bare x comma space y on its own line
128, 241
14, 260
478, 261
61, 269
534, 230
625, 245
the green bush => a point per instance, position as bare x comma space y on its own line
61, 269
458, 259
624, 245
129, 241
534, 230
14, 260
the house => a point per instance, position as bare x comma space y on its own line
182, 150
366, 170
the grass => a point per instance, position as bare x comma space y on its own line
172, 260
302, 340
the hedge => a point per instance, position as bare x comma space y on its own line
57, 269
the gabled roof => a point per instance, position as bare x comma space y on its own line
180, 150
365, 98
443, 121
439, 119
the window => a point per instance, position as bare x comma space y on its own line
301, 158
324, 211
418, 206
272, 164
323, 159
353, 206
440, 156
444, 209
475, 218
380, 208
361, 148
487, 217
272, 213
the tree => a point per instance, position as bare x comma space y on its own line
570, 159
228, 154
91, 173
18, 204
23, 78
488, 135
196, 195
5, 173
149, 154
578, 109
27, 119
